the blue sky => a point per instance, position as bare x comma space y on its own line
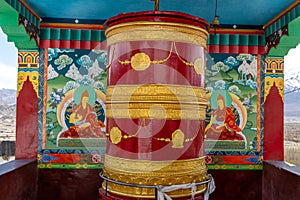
8, 63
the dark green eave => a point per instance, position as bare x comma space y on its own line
9, 23
289, 41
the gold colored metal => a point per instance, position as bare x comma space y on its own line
177, 139
199, 66
151, 31
115, 135
156, 101
147, 172
140, 61
157, 93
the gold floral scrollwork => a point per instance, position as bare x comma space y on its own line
140, 61
199, 66
148, 172
33, 78
115, 135
279, 83
177, 139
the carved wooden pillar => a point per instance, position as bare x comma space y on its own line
27, 106
273, 109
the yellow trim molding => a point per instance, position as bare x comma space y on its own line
149, 31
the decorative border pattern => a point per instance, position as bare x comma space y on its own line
28, 69
235, 167
146, 31
283, 19
21, 7
230, 43
274, 39
73, 38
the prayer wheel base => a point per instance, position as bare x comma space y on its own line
110, 196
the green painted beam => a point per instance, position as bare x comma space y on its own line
287, 42
9, 23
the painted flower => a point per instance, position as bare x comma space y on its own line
208, 160
56, 96
96, 158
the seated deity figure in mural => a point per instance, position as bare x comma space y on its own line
85, 120
222, 125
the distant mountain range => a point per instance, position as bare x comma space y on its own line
7, 104
292, 95
7, 97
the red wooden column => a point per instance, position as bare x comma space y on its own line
27, 106
273, 109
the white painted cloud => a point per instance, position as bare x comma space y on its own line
8, 76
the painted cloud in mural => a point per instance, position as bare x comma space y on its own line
220, 66
85, 61
52, 53
52, 74
63, 61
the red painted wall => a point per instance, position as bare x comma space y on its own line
62, 184
18, 180
280, 181
27, 122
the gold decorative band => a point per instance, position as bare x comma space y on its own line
156, 92
149, 31
156, 101
146, 172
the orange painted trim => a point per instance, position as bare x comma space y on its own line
236, 31
72, 26
45, 99
30, 9
258, 125
288, 9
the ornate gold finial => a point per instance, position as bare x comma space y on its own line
156, 5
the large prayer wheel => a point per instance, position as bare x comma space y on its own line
155, 103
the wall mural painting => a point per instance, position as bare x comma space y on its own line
231, 134
75, 117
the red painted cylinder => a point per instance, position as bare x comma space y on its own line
155, 102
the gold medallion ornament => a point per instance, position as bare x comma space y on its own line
177, 139
115, 135
140, 61
198, 66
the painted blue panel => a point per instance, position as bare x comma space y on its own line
255, 12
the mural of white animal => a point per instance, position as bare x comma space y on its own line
248, 71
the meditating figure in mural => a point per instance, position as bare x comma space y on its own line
85, 120
222, 125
